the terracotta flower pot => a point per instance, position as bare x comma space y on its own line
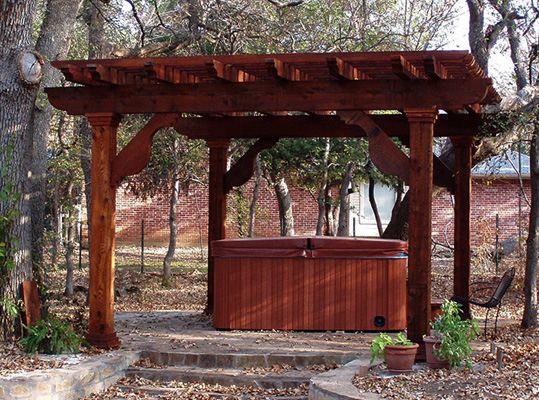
400, 359
432, 360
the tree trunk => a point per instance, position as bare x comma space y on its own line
374, 206
52, 44
55, 210
343, 213
476, 37
252, 208
69, 249
284, 201
173, 226
322, 192
17, 99
328, 213
529, 317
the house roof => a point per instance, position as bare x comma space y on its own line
505, 165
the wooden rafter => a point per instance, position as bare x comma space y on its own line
156, 72
280, 70
434, 69
78, 75
404, 68
342, 70
227, 73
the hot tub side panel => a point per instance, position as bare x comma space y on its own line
310, 294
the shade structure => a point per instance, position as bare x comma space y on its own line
270, 96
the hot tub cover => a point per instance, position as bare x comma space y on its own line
309, 247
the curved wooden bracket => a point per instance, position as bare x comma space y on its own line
244, 168
136, 154
384, 153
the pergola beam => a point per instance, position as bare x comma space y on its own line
394, 125
218, 97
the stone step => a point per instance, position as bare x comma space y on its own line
225, 376
247, 360
170, 392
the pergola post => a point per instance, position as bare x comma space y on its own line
101, 325
419, 256
216, 207
462, 233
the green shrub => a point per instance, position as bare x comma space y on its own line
455, 335
379, 344
51, 336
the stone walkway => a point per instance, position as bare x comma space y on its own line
183, 346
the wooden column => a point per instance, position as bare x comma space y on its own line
101, 327
463, 191
419, 256
217, 207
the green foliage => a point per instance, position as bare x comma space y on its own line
51, 336
455, 334
379, 344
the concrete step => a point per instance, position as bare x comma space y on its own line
225, 376
168, 393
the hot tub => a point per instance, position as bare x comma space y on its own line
310, 283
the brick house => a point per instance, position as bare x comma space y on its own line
495, 191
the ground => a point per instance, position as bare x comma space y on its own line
137, 291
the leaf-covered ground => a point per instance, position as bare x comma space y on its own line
518, 377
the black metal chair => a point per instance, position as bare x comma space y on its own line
495, 300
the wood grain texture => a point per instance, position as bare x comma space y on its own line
101, 297
309, 294
216, 207
244, 168
136, 154
463, 217
384, 153
269, 96
31, 302
394, 125
419, 254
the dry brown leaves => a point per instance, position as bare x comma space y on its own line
283, 368
518, 377
13, 360
135, 388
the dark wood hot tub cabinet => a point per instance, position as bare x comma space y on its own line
310, 283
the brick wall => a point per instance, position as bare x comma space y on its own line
193, 215
489, 198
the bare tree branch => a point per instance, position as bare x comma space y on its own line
278, 4
139, 22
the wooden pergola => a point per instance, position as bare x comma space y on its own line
217, 98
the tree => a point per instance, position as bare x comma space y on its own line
283, 161
21, 71
52, 43
508, 13
176, 163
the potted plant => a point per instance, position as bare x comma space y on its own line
399, 354
449, 342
